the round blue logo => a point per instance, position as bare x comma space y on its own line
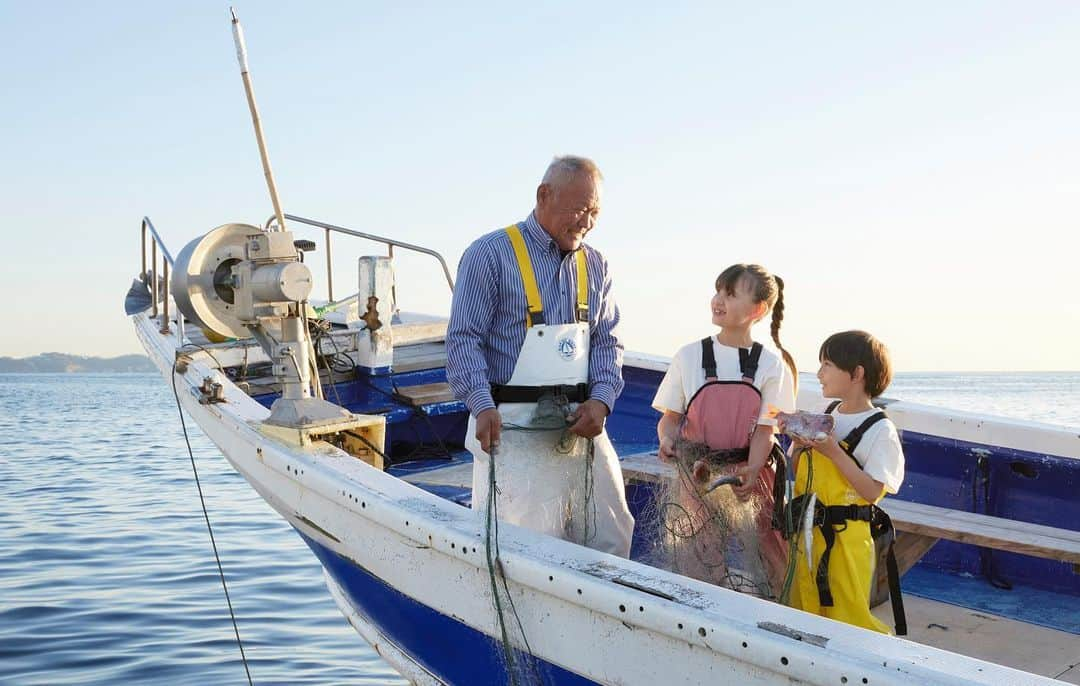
567, 348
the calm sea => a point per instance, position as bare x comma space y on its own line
106, 571
106, 574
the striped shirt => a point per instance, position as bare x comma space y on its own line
487, 317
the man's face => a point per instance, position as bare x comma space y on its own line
569, 212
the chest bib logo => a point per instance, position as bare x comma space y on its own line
568, 348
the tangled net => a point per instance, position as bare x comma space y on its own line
709, 534
551, 418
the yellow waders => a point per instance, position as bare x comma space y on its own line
850, 565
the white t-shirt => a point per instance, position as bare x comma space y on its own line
879, 451
685, 376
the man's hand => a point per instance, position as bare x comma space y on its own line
588, 418
488, 429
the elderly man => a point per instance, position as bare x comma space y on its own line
533, 353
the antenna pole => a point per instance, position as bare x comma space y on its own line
241, 56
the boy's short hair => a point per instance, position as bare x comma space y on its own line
851, 349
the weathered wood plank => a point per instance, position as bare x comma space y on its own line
645, 467
417, 356
424, 394
983, 530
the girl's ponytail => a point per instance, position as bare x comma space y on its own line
777, 319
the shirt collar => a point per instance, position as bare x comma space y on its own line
537, 233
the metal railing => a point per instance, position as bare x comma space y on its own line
389, 242
152, 276
157, 243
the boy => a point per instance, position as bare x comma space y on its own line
846, 477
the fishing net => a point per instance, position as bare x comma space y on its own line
704, 530
560, 489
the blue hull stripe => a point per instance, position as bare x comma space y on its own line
446, 647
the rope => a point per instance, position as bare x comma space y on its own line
397, 397
496, 574
386, 460
206, 516
590, 456
793, 525
565, 446
209, 352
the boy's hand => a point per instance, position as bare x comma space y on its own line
830, 447
801, 443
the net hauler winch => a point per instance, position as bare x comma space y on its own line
239, 281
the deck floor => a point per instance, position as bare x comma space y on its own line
1036, 649
1029, 647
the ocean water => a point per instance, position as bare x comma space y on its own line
106, 572
1048, 397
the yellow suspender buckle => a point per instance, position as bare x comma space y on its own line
582, 287
528, 278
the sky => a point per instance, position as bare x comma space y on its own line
909, 169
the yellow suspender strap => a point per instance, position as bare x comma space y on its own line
528, 278
582, 287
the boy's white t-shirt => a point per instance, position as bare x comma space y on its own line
879, 452
685, 376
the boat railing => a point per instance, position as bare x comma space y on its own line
159, 288
158, 282
390, 244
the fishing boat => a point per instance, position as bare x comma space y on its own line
338, 414
374, 478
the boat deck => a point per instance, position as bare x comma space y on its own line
1005, 641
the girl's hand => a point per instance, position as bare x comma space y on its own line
667, 449
748, 475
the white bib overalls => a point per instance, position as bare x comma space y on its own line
548, 479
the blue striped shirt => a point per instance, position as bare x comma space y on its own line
487, 317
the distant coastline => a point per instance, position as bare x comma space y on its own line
61, 363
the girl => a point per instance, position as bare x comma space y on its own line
715, 400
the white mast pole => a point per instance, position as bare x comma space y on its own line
241, 56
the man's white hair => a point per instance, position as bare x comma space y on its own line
567, 167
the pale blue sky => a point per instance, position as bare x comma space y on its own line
909, 169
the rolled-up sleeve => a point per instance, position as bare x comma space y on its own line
605, 348
472, 312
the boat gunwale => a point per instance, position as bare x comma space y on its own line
1014, 434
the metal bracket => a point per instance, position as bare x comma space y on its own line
211, 392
